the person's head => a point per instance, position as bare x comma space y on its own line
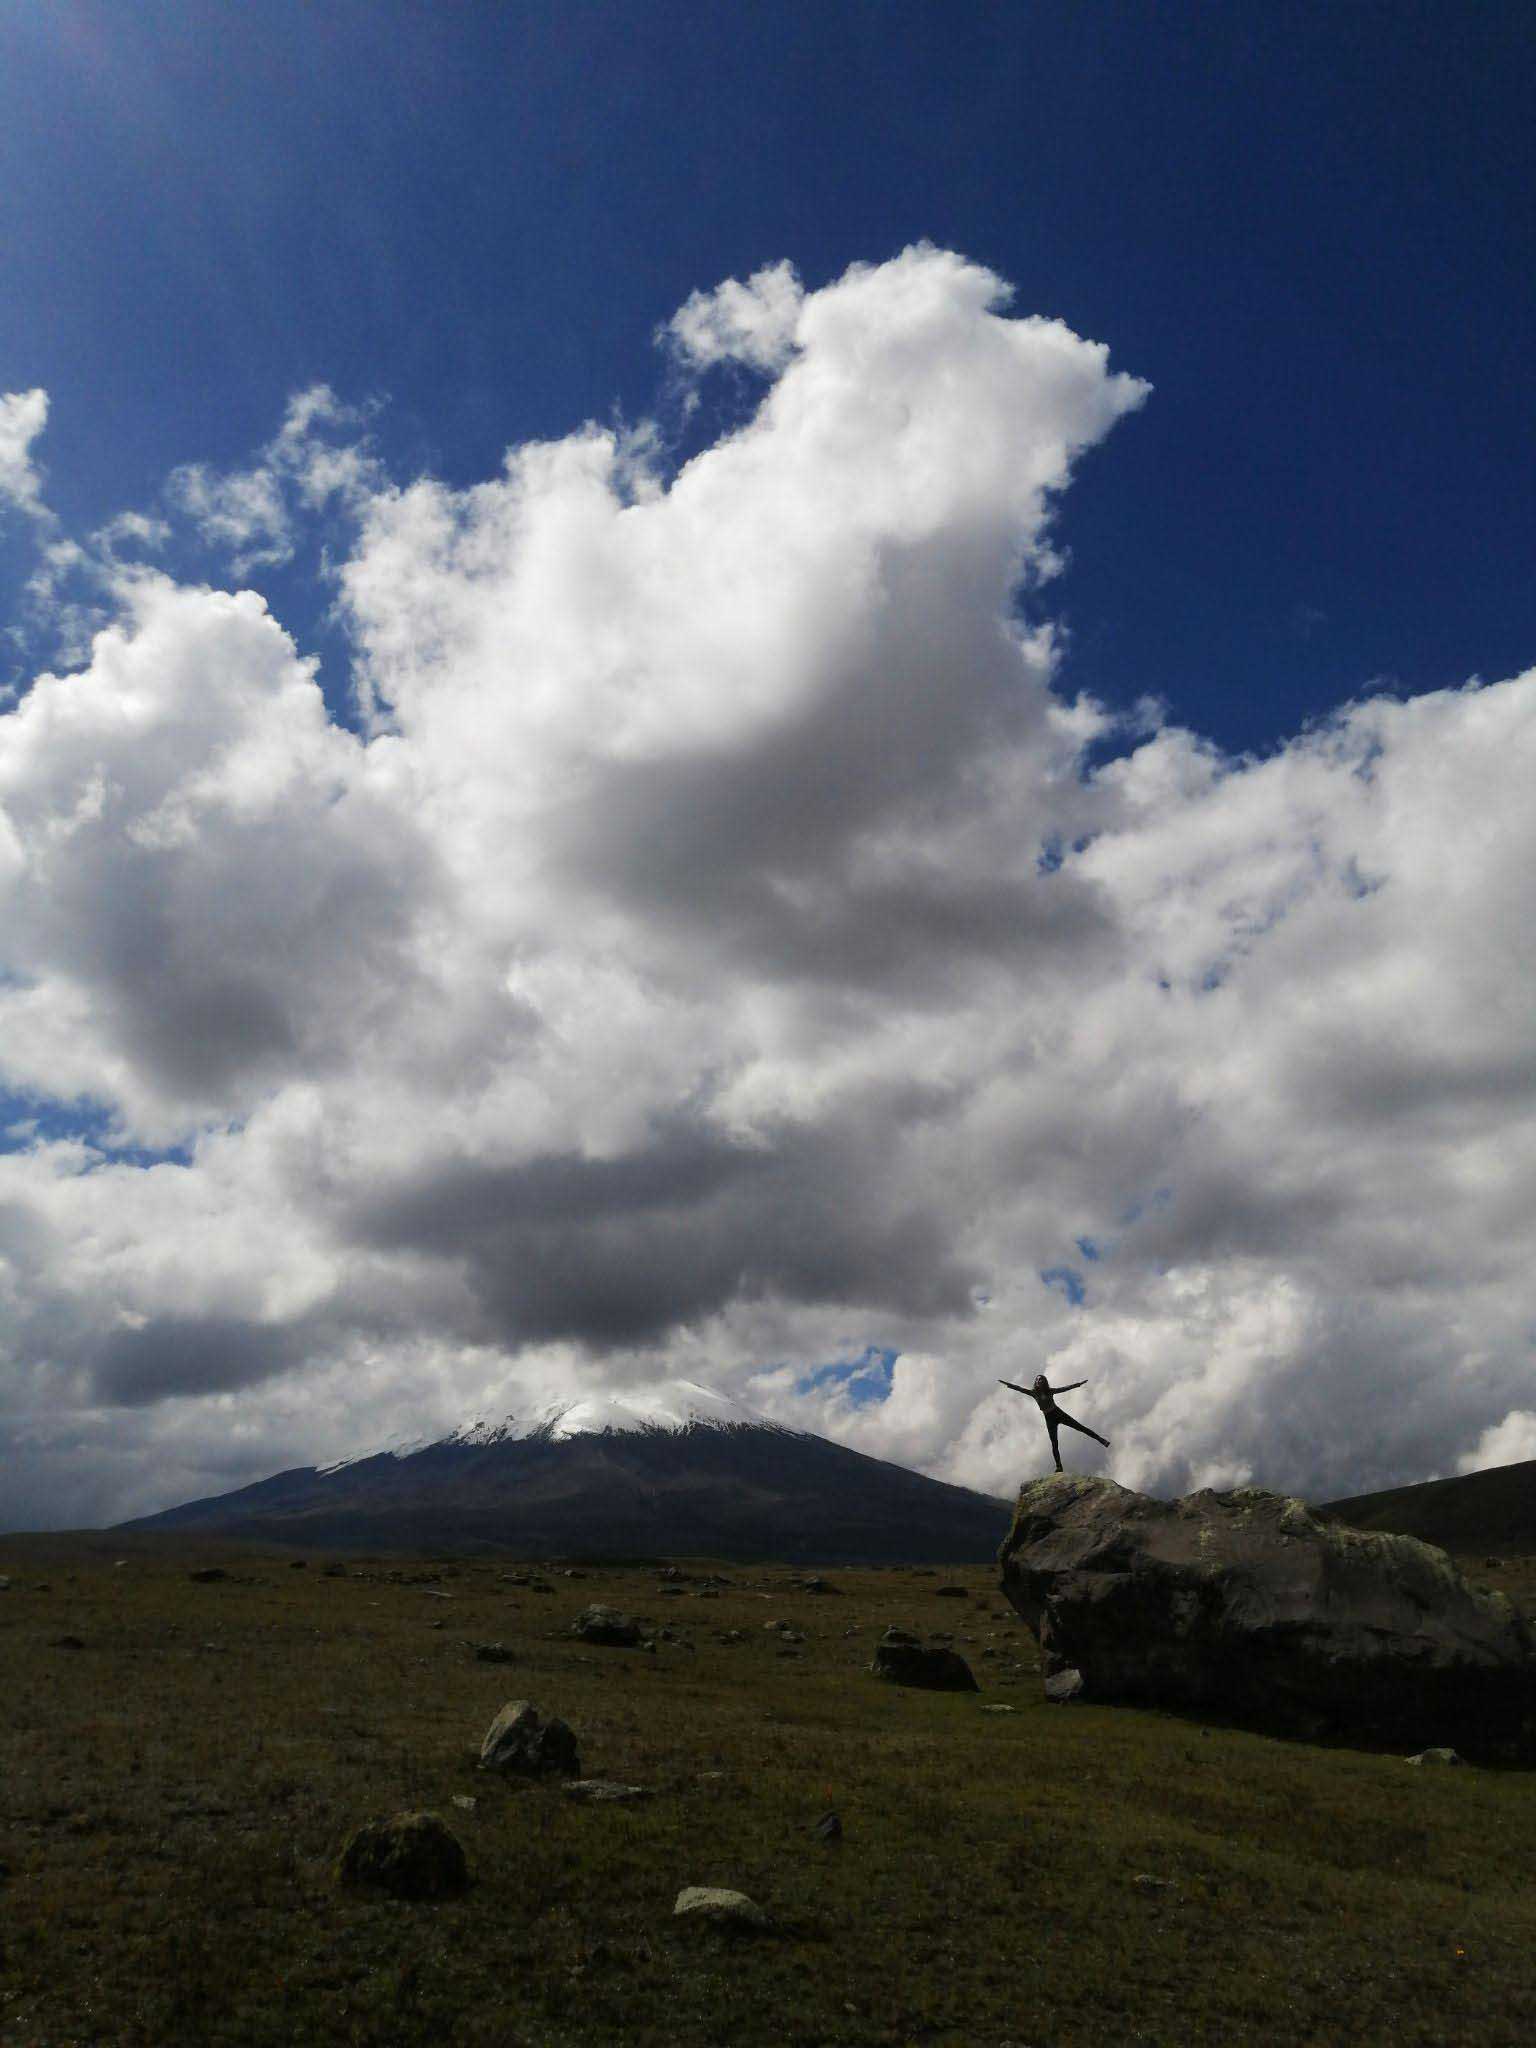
1042, 1382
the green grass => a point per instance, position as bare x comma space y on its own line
172, 1796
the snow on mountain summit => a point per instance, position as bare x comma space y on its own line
663, 1405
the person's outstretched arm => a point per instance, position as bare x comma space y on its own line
1009, 1383
1067, 1389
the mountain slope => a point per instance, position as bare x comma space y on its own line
1479, 1511
675, 1470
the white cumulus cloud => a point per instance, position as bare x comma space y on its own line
718, 956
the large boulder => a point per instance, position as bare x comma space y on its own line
1244, 1606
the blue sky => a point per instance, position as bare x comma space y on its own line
833, 698
1310, 228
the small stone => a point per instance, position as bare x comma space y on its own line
951, 1592
492, 1653
711, 1904
208, 1574
997, 1707
433, 1593
410, 1855
1064, 1685
464, 1802
1146, 1882
603, 1791
1434, 1756
829, 1828
5, 1584
68, 1643
522, 1741
598, 1624
900, 1658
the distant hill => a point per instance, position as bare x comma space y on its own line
671, 1470
1477, 1513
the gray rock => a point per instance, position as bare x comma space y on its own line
597, 1624
829, 1828
603, 1791
411, 1855
1248, 1606
490, 1653
715, 1907
902, 1659
1063, 1685
5, 1584
520, 1741
1434, 1756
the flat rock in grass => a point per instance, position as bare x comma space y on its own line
520, 1741
903, 1660
711, 1906
1434, 1756
409, 1855
603, 1791
489, 1653
598, 1624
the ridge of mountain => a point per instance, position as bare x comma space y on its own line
672, 1469
1494, 1510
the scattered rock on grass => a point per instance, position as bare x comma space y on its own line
1434, 1756
603, 1791
522, 1742
718, 1908
598, 1624
829, 1828
410, 1855
208, 1574
902, 1659
1064, 1685
490, 1653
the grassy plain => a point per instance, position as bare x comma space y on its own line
173, 1792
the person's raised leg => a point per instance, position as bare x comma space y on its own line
1050, 1423
1072, 1423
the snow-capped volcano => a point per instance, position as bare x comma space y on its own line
675, 1468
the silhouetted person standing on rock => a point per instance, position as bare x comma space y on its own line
1043, 1394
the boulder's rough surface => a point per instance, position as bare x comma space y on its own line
1246, 1606
900, 1657
522, 1741
412, 1855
